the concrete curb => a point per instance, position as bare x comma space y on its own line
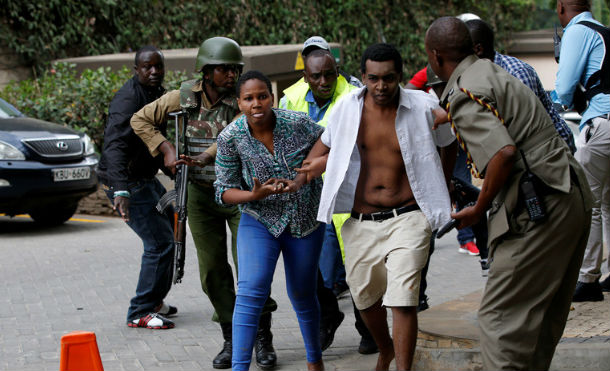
594, 357
448, 337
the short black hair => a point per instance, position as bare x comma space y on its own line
451, 37
380, 53
481, 33
252, 75
144, 49
578, 5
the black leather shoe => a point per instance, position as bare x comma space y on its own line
223, 359
266, 358
587, 291
367, 346
605, 284
328, 328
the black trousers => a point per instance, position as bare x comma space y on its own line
329, 306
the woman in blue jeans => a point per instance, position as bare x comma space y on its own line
257, 155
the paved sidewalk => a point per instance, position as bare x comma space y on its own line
81, 275
588, 323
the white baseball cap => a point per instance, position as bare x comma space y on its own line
465, 17
314, 42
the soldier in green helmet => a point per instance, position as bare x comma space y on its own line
211, 104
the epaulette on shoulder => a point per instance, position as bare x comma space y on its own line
188, 98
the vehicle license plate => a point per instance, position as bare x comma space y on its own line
75, 173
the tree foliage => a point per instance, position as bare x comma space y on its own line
42, 31
79, 101
545, 15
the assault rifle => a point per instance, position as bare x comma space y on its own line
177, 197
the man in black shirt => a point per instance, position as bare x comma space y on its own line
127, 171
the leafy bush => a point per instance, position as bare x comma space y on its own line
43, 31
81, 102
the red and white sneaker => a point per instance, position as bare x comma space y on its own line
469, 248
153, 321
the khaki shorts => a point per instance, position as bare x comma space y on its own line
385, 259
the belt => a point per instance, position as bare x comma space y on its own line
383, 215
605, 116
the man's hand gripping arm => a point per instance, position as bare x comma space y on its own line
314, 164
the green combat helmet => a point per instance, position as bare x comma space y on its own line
218, 50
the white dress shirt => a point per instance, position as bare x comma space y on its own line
418, 145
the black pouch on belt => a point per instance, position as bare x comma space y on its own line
532, 194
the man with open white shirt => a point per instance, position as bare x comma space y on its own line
382, 165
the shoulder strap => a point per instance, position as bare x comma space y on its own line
188, 98
603, 75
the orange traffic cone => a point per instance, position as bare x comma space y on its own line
79, 352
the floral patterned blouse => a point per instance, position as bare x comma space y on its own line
241, 157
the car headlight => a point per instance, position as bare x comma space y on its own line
88, 144
9, 152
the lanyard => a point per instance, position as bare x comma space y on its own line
473, 169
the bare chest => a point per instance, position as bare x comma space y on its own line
377, 134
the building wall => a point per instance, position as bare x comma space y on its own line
10, 69
545, 66
281, 63
536, 48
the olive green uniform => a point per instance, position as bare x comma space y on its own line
207, 220
534, 264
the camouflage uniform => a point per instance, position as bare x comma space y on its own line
207, 220
205, 121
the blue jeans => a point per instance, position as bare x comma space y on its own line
257, 255
157, 235
331, 261
462, 172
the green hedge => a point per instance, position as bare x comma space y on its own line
43, 31
52, 29
63, 96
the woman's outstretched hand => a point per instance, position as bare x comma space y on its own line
270, 187
292, 185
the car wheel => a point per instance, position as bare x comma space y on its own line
53, 214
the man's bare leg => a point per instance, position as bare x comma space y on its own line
404, 331
375, 318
